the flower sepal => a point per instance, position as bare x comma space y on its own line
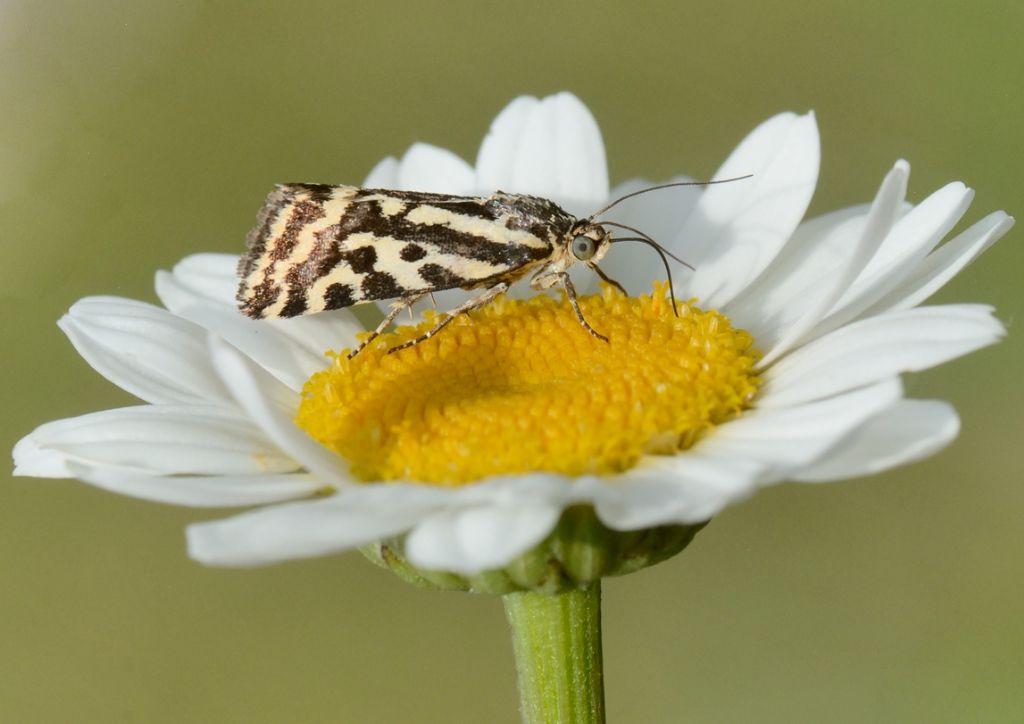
578, 552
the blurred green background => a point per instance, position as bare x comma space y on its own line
134, 133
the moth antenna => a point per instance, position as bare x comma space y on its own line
661, 252
649, 240
665, 186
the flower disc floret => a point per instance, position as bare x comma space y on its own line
520, 386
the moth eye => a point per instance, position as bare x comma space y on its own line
583, 247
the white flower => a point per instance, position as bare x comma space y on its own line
832, 302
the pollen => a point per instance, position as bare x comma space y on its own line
521, 386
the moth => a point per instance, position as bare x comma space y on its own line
317, 247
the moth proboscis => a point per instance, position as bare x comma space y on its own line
317, 247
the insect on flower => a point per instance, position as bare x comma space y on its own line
317, 247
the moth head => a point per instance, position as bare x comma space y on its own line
588, 242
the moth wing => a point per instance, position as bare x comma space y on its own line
318, 247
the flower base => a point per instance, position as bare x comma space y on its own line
578, 552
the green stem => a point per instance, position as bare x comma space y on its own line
557, 643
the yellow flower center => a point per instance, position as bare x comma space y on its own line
520, 386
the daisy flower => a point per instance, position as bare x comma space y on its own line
513, 427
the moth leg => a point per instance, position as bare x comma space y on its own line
605, 277
467, 306
432, 301
397, 306
570, 291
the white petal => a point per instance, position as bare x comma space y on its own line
775, 300
429, 168
476, 539
272, 407
784, 440
917, 232
210, 277
660, 215
685, 488
359, 515
819, 294
33, 460
189, 291
876, 348
290, 349
944, 263
153, 439
496, 160
384, 175
911, 239
200, 491
144, 350
908, 431
550, 147
317, 333
289, 363
738, 228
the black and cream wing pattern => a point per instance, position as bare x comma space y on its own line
317, 247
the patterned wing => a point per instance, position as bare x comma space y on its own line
317, 247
